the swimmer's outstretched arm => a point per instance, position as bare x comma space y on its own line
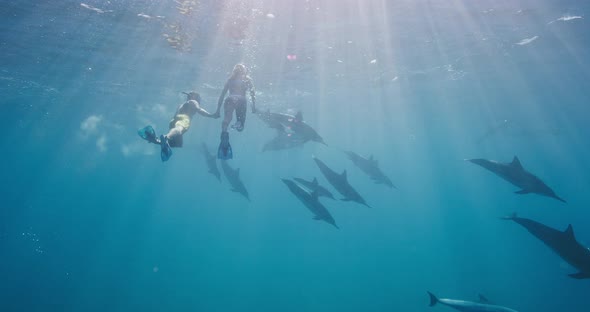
204, 112
221, 97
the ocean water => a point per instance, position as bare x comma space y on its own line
92, 220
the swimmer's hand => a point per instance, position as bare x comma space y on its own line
215, 115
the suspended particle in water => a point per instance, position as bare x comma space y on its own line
292, 57
374, 61
156, 269
270, 15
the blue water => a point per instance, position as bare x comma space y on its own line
92, 220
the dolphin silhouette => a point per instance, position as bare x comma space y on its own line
315, 186
291, 124
310, 200
211, 162
562, 243
370, 167
514, 173
340, 183
233, 177
469, 306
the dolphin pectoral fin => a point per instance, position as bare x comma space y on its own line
521, 192
433, 299
579, 275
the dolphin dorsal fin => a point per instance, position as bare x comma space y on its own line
344, 175
314, 182
483, 299
299, 116
516, 163
569, 231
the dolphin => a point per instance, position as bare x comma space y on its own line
233, 177
562, 243
293, 124
370, 167
315, 186
211, 162
514, 173
310, 200
282, 141
340, 183
469, 306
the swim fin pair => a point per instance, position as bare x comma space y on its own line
224, 152
149, 134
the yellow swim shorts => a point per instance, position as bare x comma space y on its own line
181, 120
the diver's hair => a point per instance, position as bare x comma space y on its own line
243, 70
193, 95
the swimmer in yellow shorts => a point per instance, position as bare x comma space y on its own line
178, 125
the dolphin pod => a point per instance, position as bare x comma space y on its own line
370, 167
469, 306
233, 177
340, 183
310, 200
563, 243
514, 173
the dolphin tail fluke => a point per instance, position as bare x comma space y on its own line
433, 299
579, 275
509, 217
337, 227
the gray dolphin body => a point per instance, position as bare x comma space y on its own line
370, 167
211, 162
233, 177
468, 306
563, 243
310, 200
283, 140
294, 125
340, 183
315, 186
514, 173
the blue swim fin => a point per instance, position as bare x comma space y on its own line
166, 151
224, 151
149, 134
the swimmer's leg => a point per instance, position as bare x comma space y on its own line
241, 108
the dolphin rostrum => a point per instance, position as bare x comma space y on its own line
563, 243
233, 177
211, 162
514, 173
370, 167
315, 186
310, 200
469, 306
340, 183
